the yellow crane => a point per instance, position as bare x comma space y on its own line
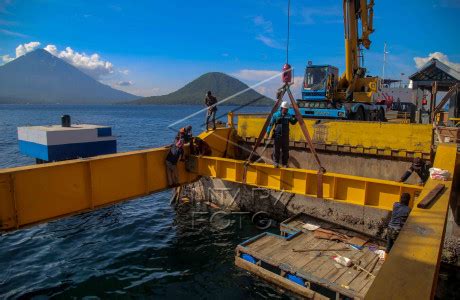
350, 96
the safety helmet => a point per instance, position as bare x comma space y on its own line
284, 104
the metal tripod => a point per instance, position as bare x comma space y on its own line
279, 97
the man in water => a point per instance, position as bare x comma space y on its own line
420, 167
211, 102
399, 216
281, 120
175, 153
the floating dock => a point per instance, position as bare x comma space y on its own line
57, 143
302, 261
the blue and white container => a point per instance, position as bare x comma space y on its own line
56, 143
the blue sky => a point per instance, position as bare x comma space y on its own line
155, 47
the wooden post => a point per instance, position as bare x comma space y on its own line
434, 92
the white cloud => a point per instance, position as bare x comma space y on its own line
12, 33
20, 51
309, 14
270, 87
125, 83
266, 36
26, 48
6, 59
421, 61
255, 75
52, 49
266, 25
90, 64
268, 41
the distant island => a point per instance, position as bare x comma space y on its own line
39, 77
222, 86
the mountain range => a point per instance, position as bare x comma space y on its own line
40, 77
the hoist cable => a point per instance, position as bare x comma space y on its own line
288, 31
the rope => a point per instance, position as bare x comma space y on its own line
263, 150
288, 31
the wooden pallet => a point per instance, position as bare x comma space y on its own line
272, 257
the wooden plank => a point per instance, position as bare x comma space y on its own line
278, 280
327, 284
319, 261
363, 279
365, 288
352, 273
255, 255
287, 250
431, 196
297, 260
357, 241
335, 274
273, 247
260, 243
356, 283
329, 267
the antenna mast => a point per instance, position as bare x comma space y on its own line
385, 52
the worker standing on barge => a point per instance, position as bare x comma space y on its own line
281, 120
211, 102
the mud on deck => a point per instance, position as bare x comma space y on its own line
299, 262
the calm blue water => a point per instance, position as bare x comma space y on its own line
138, 249
137, 127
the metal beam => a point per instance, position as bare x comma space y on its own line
39, 193
336, 187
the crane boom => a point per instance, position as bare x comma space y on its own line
353, 11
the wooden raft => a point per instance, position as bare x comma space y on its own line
272, 257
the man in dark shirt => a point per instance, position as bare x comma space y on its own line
175, 153
420, 167
281, 121
211, 102
399, 216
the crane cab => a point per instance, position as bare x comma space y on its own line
319, 82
